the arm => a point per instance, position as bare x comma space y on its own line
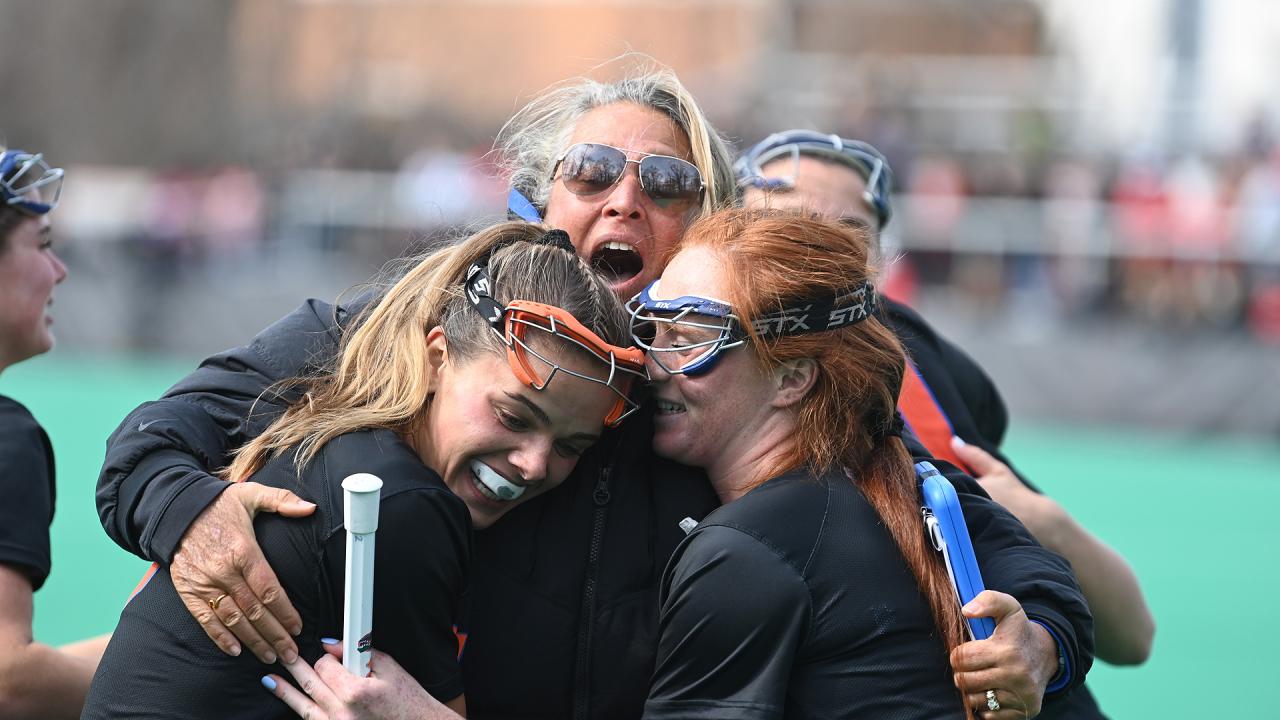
156, 477
157, 498
37, 681
1123, 624
723, 652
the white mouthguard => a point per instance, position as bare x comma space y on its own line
497, 484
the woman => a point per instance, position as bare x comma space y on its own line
561, 614
471, 386
35, 680
767, 318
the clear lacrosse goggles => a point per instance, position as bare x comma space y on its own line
684, 335
27, 183
520, 322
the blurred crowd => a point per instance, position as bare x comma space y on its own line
1189, 243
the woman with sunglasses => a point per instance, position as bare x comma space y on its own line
470, 387
36, 681
560, 619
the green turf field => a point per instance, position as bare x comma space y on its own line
1193, 516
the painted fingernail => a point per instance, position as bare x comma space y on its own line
330, 641
957, 441
269, 683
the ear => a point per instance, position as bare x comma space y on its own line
437, 355
792, 382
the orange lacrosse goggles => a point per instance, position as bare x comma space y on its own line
519, 322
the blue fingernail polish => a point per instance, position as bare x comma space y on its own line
330, 641
269, 682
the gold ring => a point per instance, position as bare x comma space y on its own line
213, 604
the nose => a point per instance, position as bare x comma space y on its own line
657, 373
531, 458
626, 196
59, 268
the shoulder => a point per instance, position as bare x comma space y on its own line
24, 445
785, 516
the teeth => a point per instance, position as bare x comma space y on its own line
666, 407
614, 245
492, 485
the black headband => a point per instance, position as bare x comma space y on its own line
819, 314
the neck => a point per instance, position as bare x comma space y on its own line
738, 467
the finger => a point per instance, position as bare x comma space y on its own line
258, 617
260, 498
981, 681
975, 655
333, 647
313, 684
303, 706
211, 623
277, 620
1010, 704
231, 615
992, 604
978, 460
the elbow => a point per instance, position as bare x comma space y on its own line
1133, 650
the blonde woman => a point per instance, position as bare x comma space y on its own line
470, 387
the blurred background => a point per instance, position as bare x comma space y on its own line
1088, 201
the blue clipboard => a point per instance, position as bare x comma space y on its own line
950, 535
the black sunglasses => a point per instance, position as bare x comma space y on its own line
591, 168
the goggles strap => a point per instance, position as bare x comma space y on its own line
819, 314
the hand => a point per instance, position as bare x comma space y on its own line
1017, 661
332, 693
1032, 509
219, 558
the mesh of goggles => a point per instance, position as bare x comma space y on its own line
620, 367
700, 317
705, 327
27, 183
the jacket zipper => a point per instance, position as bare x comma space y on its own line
586, 619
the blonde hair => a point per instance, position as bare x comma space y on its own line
529, 143
380, 379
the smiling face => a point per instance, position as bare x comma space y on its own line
718, 418
29, 270
621, 231
833, 190
497, 442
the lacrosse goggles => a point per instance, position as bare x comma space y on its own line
867, 161
27, 183
686, 335
520, 321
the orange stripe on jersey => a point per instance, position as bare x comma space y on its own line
921, 411
146, 578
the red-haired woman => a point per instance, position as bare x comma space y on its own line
811, 592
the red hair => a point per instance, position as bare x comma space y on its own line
774, 259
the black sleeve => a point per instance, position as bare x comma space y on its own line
156, 477
733, 614
26, 482
422, 554
1012, 562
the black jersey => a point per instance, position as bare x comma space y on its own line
27, 485
160, 663
795, 602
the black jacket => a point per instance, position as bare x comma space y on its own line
563, 608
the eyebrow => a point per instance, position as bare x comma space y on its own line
542, 415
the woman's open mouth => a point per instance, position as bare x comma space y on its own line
492, 485
618, 262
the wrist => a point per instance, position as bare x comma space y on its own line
1052, 656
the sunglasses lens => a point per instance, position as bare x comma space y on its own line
588, 168
668, 179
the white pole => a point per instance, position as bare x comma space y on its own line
360, 495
